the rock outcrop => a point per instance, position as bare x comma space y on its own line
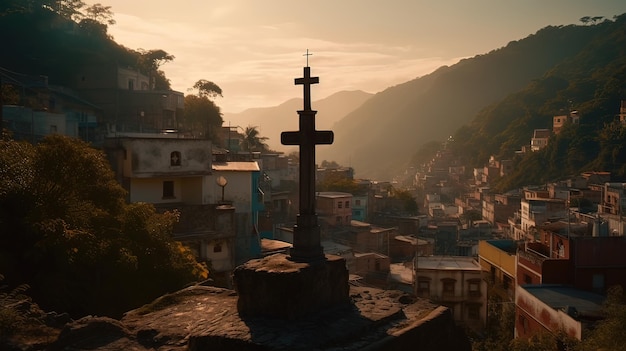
206, 318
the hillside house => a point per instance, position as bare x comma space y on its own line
536, 211
52, 110
243, 191
334, 208
128, 100
175, 174
540, 139
498, 259
558, 122
555, 309
455, 282
497, 208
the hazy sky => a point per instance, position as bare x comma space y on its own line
254, 49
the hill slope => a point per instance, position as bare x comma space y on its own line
593, 82
378, 138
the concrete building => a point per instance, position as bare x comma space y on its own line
334, 208
567, 254
537, 211
128, 100
175, 173
540, 139
498, 259
555, 309
455, 282
498, 208
52, 110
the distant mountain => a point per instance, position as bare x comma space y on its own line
271, 121
379, 138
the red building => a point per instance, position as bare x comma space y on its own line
571, 262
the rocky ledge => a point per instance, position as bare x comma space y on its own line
206, 318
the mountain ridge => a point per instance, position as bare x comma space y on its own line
379, 140
271, 121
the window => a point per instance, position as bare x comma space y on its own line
474, 287
168, 189
473, 311
527, 279
53, 129
339, 204
347, 204
357, 202
175, 158
131, 84
357, 213
423, 286
448, 287
217, 247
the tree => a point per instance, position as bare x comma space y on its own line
329, 164
409, 203
585, 20
68, 233
207, 89
608, 333
96, 20
149, 62
338, 182
100, 14
70, 9
252, 141
202, 117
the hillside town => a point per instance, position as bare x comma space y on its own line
548, 253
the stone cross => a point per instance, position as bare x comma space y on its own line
306, 233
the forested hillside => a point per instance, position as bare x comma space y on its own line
55, 39
380, 137
593, 82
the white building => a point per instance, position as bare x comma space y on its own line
455, 282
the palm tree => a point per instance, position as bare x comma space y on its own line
252, 141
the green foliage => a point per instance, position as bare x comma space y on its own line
595, 144
149, 62
253, 141
207, 88
608, 333
57, 38
68, 233
202, 117
338, 182
425, 153
408, 201
329, 164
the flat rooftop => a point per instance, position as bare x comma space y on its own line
447, 263
561, 297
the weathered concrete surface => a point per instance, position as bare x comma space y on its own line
277, 287
206, 318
